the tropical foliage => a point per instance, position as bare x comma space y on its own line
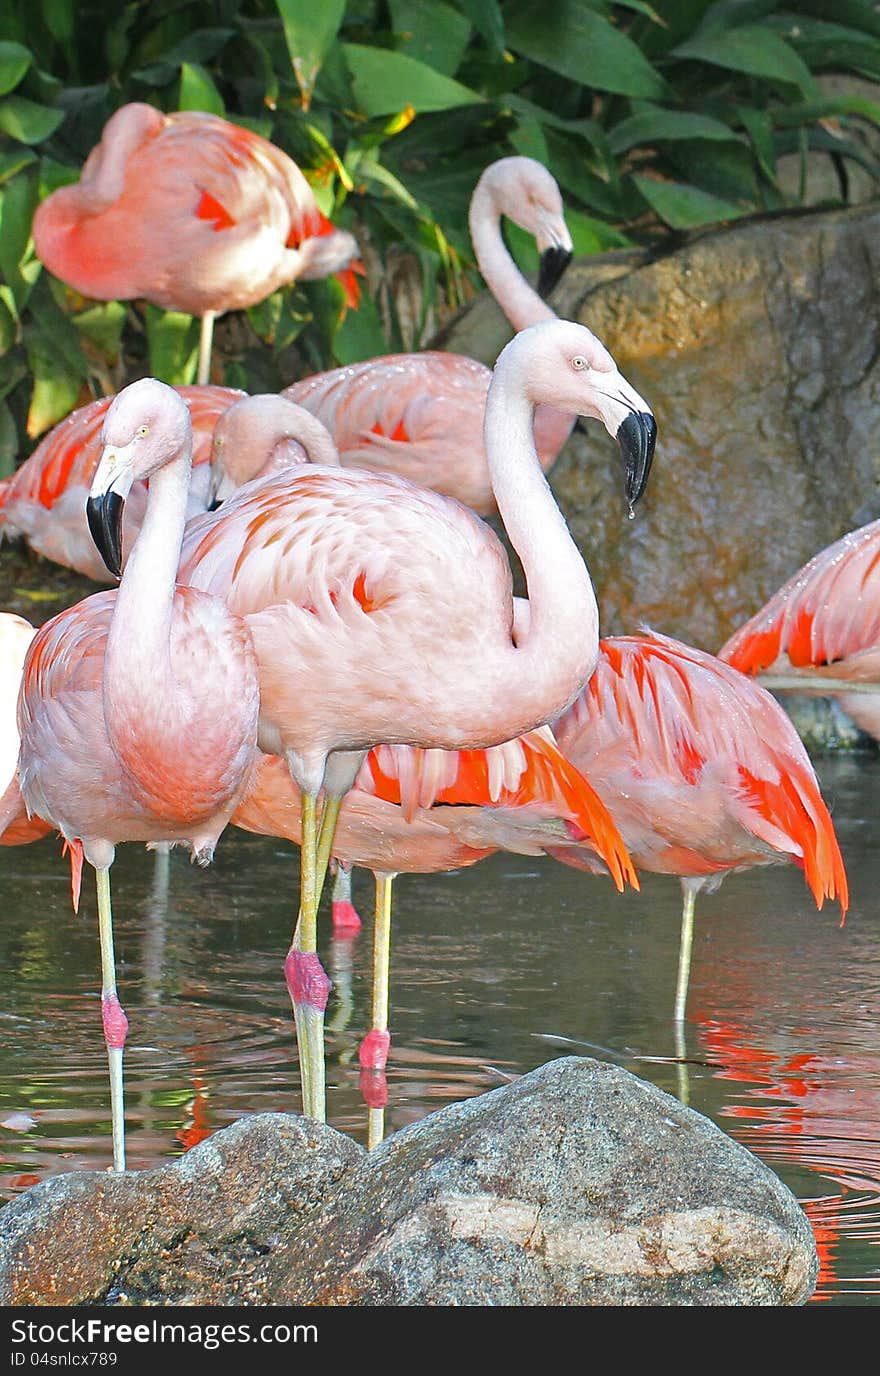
655, 118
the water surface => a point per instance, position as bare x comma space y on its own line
495, 970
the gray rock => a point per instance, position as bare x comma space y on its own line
579, 1184
197, 1231
757, 347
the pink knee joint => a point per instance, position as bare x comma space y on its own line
114, 1020
307, 980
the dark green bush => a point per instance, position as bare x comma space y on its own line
654, 119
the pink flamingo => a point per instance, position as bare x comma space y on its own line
821, 630
422, 811
420, 415
702, 771
138, 707
349, 579
190, 212
16, 828
44, 501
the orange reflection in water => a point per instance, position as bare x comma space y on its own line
807, 1110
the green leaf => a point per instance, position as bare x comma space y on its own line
26, 121
55, 393
173, 345
385, 82
685, 207
360, 335
310, 31
8, 328
529, 139
575, 42
431, 31
652, 124
759, 127
14, 62
11, 163
487, 19
197, 90
102, 325
8, 441
59, 17
753, 49
831, 47
589, 235
17, 203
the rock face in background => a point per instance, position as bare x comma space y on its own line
757, 347
578, 1184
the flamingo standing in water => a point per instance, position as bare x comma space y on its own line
821, 630
420, 415
423, 812
190, 212
16, 828
44, 501
702, 771
138, 708
383, 612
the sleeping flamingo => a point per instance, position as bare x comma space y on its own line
702, 771
236, 438
16, 828
821, 630
138, 708
422, 812
348, 579
190, 212
420, 415
44, 501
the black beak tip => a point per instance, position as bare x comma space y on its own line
554, 261
637, 437
214, 504
104, 516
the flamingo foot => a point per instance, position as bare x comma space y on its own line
373, 1051
346, 921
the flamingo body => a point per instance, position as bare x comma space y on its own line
420, 415
138, 707
701, 769
45, 499
176, 773
188, 211
348, 579
823, 622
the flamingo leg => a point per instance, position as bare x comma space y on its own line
684, 952
206, 336
324, 846
112, 1016
682, 1074
373, 1053
306, 980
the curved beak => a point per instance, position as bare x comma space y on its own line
637, 436
104, 516
554, 260
106, 503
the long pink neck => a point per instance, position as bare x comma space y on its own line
520, 302
139, 684
557, 653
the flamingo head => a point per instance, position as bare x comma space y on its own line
525, 192
561, 363
146, 426
262, 435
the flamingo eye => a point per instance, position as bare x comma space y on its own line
580, 364
142, 431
